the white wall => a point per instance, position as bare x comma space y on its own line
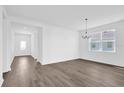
109, 58
9, 38
55, 44
5, 45
59, 44
19, 27
1, 43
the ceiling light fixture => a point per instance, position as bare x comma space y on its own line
85, 35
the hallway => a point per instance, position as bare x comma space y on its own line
21, 73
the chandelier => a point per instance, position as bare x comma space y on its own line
85, 35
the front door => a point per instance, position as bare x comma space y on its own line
22, 44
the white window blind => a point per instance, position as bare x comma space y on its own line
103, 41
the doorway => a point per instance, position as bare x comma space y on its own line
22, 44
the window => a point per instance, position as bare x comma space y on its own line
22, 45
95, 42
102, 41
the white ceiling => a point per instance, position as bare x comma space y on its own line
69, 16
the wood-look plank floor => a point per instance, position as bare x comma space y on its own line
76, 73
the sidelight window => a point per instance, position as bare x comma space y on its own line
22, 45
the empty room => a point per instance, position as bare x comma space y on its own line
61, 45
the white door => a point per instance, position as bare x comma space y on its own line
22, 44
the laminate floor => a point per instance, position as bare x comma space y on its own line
76, 73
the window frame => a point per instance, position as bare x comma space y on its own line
101, 40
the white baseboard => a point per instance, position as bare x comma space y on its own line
58, 61
7, 69
99, 61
